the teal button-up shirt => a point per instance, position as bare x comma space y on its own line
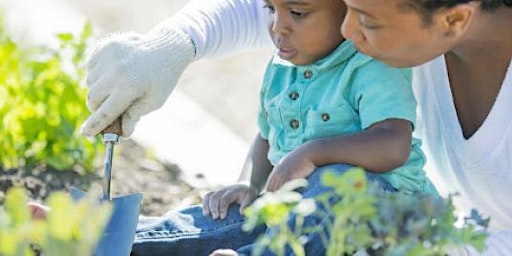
343, 93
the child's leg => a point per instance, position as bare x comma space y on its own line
314, 244
188, 232
185, 232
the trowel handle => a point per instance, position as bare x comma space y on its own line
110, 138
115, 128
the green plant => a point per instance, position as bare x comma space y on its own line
42, 103
273, 209
363, 221
70, 228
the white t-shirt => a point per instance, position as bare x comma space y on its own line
480, 168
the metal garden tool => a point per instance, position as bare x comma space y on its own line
119, 233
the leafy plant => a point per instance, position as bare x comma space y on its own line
70, 228
273, 209
363, 220
42, 103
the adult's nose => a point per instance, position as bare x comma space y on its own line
350, 28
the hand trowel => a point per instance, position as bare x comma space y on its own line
119, 233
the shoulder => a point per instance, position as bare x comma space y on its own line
368, 65
368, 69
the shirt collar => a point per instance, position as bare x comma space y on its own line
342, 53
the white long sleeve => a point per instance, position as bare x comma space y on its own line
222, 27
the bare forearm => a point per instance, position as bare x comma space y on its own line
381, 148
257, 165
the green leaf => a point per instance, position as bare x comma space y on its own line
65, 37
16, 206
62, 218
43, 94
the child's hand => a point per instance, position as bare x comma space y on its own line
292, 166
217, 203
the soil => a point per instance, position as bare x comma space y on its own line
164, 185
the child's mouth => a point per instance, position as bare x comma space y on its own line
286, 53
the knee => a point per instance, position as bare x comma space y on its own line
336, 168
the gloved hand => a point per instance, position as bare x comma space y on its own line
130, 75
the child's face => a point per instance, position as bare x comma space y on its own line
305, 31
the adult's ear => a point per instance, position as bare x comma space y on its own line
456, 20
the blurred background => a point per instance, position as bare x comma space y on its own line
207, 124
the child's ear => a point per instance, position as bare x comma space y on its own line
456, 20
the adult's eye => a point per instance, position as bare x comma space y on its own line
367, 24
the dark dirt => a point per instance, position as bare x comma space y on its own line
163, 185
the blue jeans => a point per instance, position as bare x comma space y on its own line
188, 232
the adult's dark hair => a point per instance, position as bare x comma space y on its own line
427, 7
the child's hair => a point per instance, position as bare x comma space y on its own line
427, 7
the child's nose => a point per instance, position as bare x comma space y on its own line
280, 24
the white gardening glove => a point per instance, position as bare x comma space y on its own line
130, 75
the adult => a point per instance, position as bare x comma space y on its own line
461, 51
462, 80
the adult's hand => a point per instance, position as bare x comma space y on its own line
217, 203
130, 75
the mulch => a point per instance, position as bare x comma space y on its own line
164, 185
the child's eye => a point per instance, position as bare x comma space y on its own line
270, 8
298, 13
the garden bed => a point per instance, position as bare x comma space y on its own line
163, 185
